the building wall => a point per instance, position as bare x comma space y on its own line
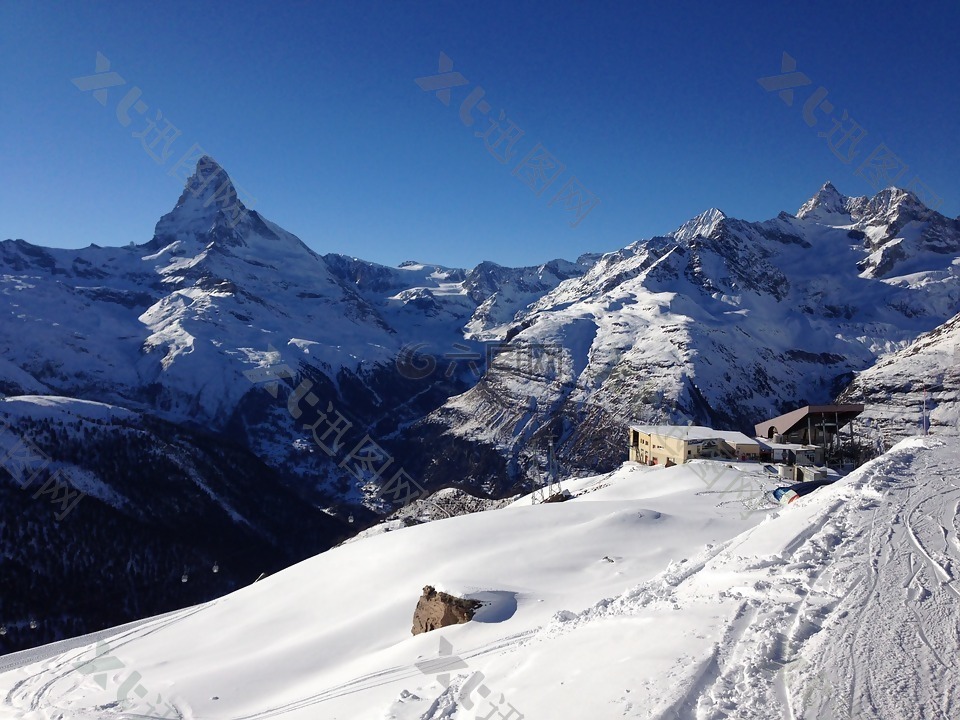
656, 449
653, 449
747, 451
671, 449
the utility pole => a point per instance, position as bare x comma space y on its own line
923, 412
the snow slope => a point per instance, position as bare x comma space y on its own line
653, 594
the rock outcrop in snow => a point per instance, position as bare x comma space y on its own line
437, 609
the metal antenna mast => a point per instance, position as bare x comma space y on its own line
551, 486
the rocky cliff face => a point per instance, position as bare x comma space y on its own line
922, 379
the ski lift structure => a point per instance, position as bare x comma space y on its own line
546, 487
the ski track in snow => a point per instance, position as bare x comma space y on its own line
860, 620
844, 605
870, 565
31, 691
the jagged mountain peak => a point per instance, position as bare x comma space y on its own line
208, 206
897, 201
889, 202
828, 200
211, 185
703, 225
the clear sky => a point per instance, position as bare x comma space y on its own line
653, 108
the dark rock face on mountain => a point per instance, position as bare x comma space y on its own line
914, 389
158, 517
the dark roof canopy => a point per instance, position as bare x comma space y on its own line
833, 416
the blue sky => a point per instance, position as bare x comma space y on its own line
653, 108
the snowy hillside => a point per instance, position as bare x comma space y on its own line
656, 593
721, 323
111, 515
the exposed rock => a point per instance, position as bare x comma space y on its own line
437, 609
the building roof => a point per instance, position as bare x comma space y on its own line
693, 433
838, 415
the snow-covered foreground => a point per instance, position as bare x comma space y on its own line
654, 594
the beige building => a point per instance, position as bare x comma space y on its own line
676, 444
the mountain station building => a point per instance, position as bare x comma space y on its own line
814, 426
676, 444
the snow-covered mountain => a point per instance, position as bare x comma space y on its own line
177, 326
181, 333
653, 594
722, 322
225, 336
895, 390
